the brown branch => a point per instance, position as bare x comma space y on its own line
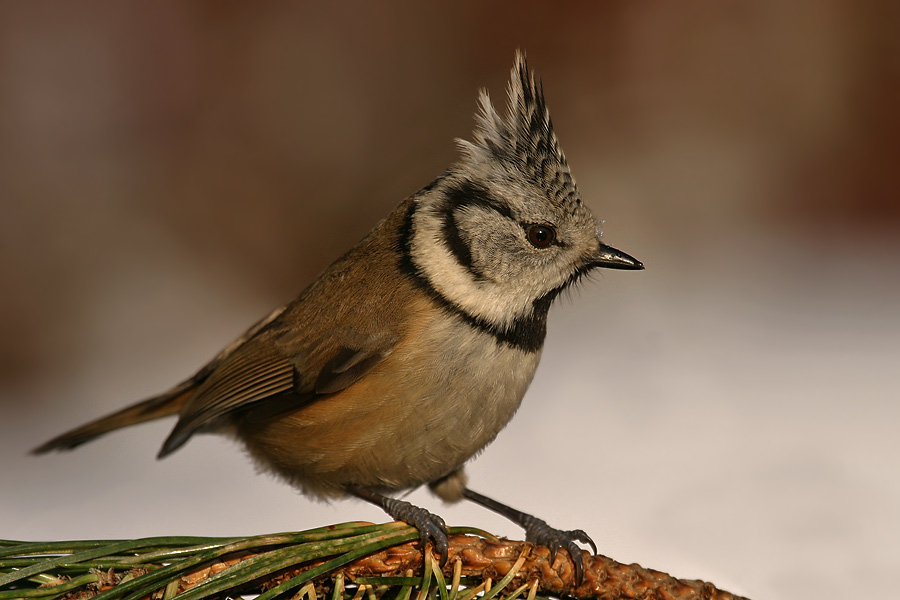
604, 578
478, 558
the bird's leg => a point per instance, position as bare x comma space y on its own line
538, 532
431, 527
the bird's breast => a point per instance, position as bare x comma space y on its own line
442, 395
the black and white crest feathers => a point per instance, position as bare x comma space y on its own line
524, 141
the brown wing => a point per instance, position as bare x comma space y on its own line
273, 363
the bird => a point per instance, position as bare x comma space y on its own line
413, 350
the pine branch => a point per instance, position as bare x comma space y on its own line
342, 562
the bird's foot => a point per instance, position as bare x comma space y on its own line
431, 527
538, 532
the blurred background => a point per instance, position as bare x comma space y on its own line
169, 172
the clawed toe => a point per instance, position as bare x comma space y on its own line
581, 536
431, 527
538, 532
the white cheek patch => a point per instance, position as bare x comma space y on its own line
493, 258
494, 302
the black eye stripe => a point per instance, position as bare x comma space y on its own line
456, 244
459, 196
467, 193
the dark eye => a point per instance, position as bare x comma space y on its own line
541, 236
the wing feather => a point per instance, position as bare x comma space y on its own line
261, 370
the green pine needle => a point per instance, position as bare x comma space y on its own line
153, 567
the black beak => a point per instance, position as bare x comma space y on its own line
608, 257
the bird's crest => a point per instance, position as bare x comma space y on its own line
524, 141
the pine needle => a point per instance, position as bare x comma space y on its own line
349, 561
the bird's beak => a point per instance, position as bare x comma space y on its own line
608, 257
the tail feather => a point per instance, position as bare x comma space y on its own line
164, 405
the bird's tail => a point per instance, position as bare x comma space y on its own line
164, 405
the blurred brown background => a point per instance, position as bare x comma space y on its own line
171, 171
262, 139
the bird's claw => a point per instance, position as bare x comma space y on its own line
432, 528
581, 536
538, 532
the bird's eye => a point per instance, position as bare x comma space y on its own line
541, 236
